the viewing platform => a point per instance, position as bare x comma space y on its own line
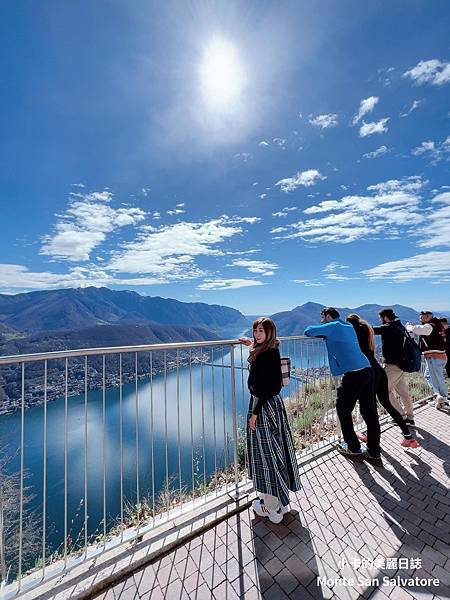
137, 486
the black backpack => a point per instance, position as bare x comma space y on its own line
411, 360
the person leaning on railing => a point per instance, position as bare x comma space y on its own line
432, 343
392, 341
271, 456
444, 322
366, 339
357, 384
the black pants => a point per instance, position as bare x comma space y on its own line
382, 394
358, 386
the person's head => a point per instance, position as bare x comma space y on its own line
263, 329
444, 322
356, 321
264, 336
387, 315
425, 316
329, 314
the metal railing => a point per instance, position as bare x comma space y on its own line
100, 445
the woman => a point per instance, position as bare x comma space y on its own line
366, 339
271, 455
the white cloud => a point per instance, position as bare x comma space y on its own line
378, 152
413, 107
304, 178
334, 266
244, 156
263, 143
308, 282
434, 150
434, 72
375, 127
18, 277
430, 265
78, 185
145, 191
325, 121
262, 196
284, 211
436, 231
366, 106
389, 209
281, 142
170, 251
85, 225
256, 266
228, 284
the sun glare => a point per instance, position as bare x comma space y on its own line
221, 74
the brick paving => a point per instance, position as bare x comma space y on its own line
346, 513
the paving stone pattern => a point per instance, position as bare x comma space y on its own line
345, 513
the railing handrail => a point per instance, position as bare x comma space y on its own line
56, 355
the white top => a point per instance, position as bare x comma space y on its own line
425, 329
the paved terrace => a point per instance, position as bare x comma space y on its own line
345, 514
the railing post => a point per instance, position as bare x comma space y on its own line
235, 433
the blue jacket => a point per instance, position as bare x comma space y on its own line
344, 353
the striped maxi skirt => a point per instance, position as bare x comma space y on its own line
272, 462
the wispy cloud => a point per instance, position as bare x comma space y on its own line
19, 277
302, 178
378, 152
334, 266
433, 72
284, 211
390, 209
263, 143
244, 156
308, 282
85, 225
324, 121
170, 251
228, 284
259, 267
413, 107
366, 106
430, 265
375, 127
437, 151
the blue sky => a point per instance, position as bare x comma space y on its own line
253, 154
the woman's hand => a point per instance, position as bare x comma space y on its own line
245, 341
252, 422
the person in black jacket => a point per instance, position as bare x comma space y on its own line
392, 340
444, 322
271, 456
366, 339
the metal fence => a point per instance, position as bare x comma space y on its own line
98, 446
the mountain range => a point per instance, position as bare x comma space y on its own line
71, 309
99, 317
294, 322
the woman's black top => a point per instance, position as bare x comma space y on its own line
264, 380
362, 333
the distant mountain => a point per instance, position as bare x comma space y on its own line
84, 307
294, 322
101, 336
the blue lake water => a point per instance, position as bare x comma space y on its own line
199, 431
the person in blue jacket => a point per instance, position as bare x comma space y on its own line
346, 358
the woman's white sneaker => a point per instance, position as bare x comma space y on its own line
275, 516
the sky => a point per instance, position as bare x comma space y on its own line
255, 154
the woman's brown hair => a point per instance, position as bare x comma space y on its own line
354, 318
271, 340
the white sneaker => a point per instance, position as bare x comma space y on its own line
285, 509
440, 402
275, 516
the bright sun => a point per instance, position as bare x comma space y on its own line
221, 74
